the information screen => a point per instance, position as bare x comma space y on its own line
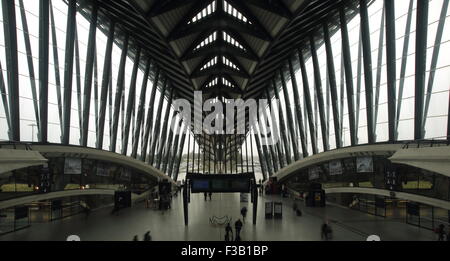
220, 183
200, 184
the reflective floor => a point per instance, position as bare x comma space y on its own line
347, 225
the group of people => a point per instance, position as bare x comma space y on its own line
442, 235
237, 225
147, 237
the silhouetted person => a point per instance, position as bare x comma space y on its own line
244, 213
206, 196
238, 226
441, 232
210, 195
228, 233
135, 238
147, 236
326, 231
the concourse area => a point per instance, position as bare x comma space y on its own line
347, 225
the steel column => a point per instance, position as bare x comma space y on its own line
175, 148
9, 27
403, 66
434, 60
273, 150
169, 141
56, 68
282, 126
307, 96
290, 119
5, 102
68, 69
140, 114
391, 67
156, 129
149, 121
90, 57
105, 84
367, 55
163, 137
318, 88
43, 68
180, 153
421, 61
333, 86
378, 77
26, 36
348, 75
119, 93
131, 101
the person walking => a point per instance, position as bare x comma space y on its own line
244, 213
325, 231
210, 195
448, 234
147, 236
238, 226
228, 233
441, 232
135, 238
206, 196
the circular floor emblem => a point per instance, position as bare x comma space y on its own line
373, 238
73, 238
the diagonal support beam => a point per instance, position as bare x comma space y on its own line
44, 23
421, 60
391, 67
308, 102
68, 69
348, 75
333, 86
367, 55
131, 101
90, 56
319, 94
104, 89
119, 93
141, 112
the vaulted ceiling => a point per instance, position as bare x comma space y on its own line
226, 48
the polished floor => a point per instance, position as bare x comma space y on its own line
347, 225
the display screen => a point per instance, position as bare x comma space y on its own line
200, 184
220, 183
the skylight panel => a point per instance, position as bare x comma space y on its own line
212, 62
229, 63
208, 40
211, 8
225, 82
229, 9
227, 38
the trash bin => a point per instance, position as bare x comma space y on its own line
278, 210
